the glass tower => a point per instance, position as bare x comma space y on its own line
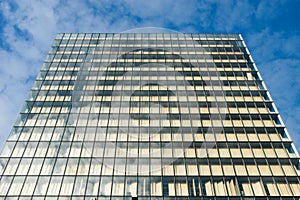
149, 116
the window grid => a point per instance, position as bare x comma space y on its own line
58, 149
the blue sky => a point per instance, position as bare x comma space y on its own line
271, 30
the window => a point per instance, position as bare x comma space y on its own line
213, 152
54, 186
258, 153
246, 189
252, 170
269, 153
220, 188
192, 170
118, 186
216, 170
281, 153
23, 167
228, 170
271, 187
240, 170
289, 170
171, 188
29, 185
182, 189
16, 186
235, 152
231, 188
295, 188
156, 188
224, 153
208, 188
284, 189
67, 186
168, 170
247, 153
264, 170
276, 170
258, 188
204, 170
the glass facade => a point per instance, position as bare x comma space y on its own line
149, 116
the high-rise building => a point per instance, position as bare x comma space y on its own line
149, 115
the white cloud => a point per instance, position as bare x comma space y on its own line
232, 15
277, 57
282, 79
269, 45
14, 85
269, 9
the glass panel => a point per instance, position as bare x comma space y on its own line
295, 188
272, 189
204, 170
79, 185
220, 189
180, 170
156, 188
240, 170
284, 189
264, 170
4, 184
41, 186
208, 187
54, 185
276, 170
105, 186
118, 186
252, 170
192, 170
216, 170
288, 170
228, 170
247, 191
131, 186
231, 188
92, 186
182, 189
16, 186
258, 188
67, 186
